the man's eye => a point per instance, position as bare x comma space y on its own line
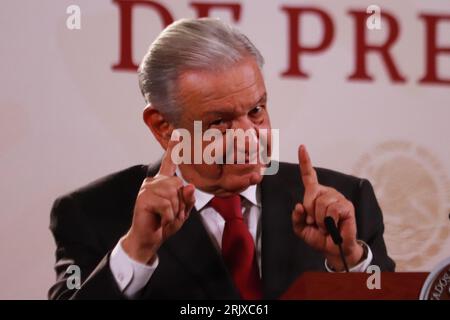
217, 122
256, 110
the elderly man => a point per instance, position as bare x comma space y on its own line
210, 230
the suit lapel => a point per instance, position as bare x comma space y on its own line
195, 251
278, 197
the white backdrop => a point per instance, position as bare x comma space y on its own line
66, 117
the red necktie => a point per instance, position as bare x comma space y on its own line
238, 247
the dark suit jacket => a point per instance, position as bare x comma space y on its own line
88, 223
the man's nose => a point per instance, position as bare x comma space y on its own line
250, 145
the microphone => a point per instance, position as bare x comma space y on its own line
336, 236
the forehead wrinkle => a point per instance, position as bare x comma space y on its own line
209, 95
233, 109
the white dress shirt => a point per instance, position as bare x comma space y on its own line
132, 276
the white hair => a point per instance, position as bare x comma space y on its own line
205, 44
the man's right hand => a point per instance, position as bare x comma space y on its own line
162, 206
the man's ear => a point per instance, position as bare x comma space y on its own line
158, 125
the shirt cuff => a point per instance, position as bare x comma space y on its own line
360, 267
130, 275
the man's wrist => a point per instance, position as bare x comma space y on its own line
130, 275
353, 258
144, 255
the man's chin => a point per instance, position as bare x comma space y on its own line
243, 177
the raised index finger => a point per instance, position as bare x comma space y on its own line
168, 167
309, 176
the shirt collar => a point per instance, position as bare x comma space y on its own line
202, 198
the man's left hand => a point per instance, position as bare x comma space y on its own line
320, 201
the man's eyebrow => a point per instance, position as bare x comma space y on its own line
262, 99
216, 113
219, 112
